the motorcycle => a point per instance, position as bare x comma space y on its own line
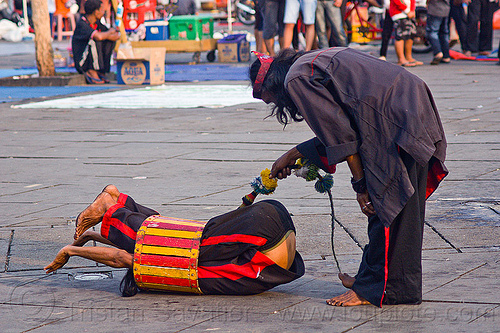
241, 10
245, 11
8, 14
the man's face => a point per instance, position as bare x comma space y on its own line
101, 11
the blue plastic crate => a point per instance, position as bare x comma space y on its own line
157, 30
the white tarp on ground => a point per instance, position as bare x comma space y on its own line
156, 97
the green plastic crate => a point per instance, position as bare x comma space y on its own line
191, 27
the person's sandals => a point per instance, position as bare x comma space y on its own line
92, 80
445, 60
416, 63
103, 77
437, 60
408, 64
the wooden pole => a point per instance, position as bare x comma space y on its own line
43, 40
123, 34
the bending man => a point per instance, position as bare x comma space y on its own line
383, 122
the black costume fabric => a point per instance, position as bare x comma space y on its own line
391, 269
230, 259
89, 53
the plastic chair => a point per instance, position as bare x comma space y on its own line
63, 20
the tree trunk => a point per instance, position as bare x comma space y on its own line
43, 41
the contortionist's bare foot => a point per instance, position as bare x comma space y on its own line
113, 191
347, 280
94, 213
349, 298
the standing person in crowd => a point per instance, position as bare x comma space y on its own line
403, 14
273, 13
93, 43
382, 120
260, 46
308, 10
457, 13
387, 28
329, 10
438, 30
480, 11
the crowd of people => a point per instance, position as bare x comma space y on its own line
322, 24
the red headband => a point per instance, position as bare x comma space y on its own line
265, 62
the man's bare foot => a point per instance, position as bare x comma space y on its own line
61, 259
113, 191
347, 280
93, 214
349, 298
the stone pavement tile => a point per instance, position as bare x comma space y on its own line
475, 138
5, 240
469, 169
314, 236
473, 151
453, 276
474, 279
23, 222
432, 317
470, 189
34, 248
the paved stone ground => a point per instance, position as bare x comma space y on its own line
197, 163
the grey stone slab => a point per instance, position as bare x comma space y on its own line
432, 317
459, 274
5, 239
314, 232
30, 249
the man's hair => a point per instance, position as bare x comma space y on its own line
91, 6
284, 109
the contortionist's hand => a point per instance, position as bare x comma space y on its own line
280, 168
61, 259
365, 203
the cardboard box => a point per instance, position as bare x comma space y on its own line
156, 30
191, 27
234, 48
141, 66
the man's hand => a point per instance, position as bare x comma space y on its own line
113, 35
61, 259
110, 34
411, 14
365, 203
280, 168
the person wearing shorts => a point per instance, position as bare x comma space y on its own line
273, 12
403, 15
308, 10
258, 27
